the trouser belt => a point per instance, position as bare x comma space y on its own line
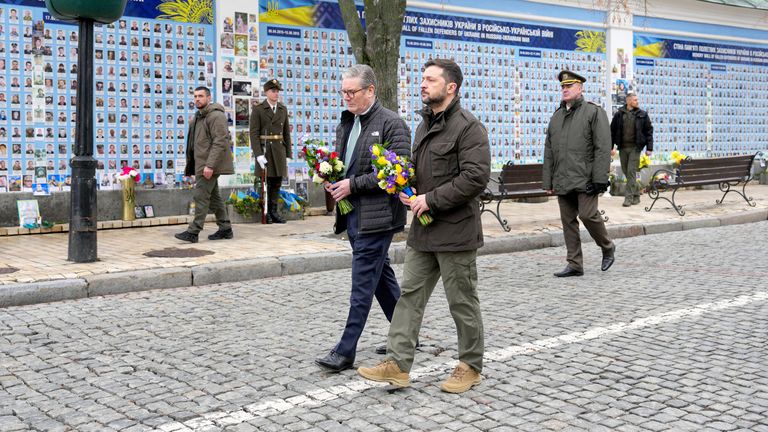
271, 137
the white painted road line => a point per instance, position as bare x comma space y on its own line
320, 396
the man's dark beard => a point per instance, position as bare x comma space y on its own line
435, 100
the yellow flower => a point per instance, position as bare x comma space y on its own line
391, 190
401, 180
398, 168
645, 161
381, 161
376, 151
381, 175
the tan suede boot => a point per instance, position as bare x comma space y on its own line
461, 380
386, 371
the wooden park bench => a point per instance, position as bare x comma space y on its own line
514, 182
726, 172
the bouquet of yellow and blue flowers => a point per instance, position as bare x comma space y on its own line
324, 165
395, 174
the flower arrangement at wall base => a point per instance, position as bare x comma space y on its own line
324, 166
676, 158
292, 202
247, 204
128, 178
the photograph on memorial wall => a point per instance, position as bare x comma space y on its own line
706, 98
510, 70
146, 66
239, 50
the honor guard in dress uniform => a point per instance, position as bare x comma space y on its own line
271, 144
577, 158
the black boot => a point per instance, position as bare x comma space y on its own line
274, 214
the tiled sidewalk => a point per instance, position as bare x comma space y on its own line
42, 257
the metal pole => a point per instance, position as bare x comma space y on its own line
82, 209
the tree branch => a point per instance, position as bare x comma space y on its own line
357, 36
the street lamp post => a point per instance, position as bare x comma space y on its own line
83, 209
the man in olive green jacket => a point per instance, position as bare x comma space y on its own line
576, 163
209, 155
452, 158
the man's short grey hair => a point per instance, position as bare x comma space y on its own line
364, 72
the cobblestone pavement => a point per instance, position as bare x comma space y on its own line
673, 337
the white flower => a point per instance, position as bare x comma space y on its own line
133, 173
317, 179
339, 167
326, 168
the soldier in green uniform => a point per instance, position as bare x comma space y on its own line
271, 144
576, 163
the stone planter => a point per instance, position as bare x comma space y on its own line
237, 218
618, 188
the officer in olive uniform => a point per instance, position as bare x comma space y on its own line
271, 144
577, 158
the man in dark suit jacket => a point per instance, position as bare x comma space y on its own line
631, 131
376, 216
271, 144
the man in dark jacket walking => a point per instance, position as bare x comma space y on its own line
452, 158
631, 131
209, 155
376, 216
576, 163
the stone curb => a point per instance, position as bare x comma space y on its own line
134, 281
237, 271
312, 263
42, 292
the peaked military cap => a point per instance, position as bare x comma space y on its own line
272, 84
568, 77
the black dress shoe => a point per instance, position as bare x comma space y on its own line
608, 258
335, 362
186, 236
221, 235
568, 272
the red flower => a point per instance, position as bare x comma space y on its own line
334, 155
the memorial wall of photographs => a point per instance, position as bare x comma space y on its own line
511, 87
308, 64
145, 71
703, 108
513, 91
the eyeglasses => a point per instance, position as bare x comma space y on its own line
350, 93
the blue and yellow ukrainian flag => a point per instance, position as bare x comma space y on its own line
647, 46
288, 12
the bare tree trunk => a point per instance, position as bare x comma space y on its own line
379, 44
